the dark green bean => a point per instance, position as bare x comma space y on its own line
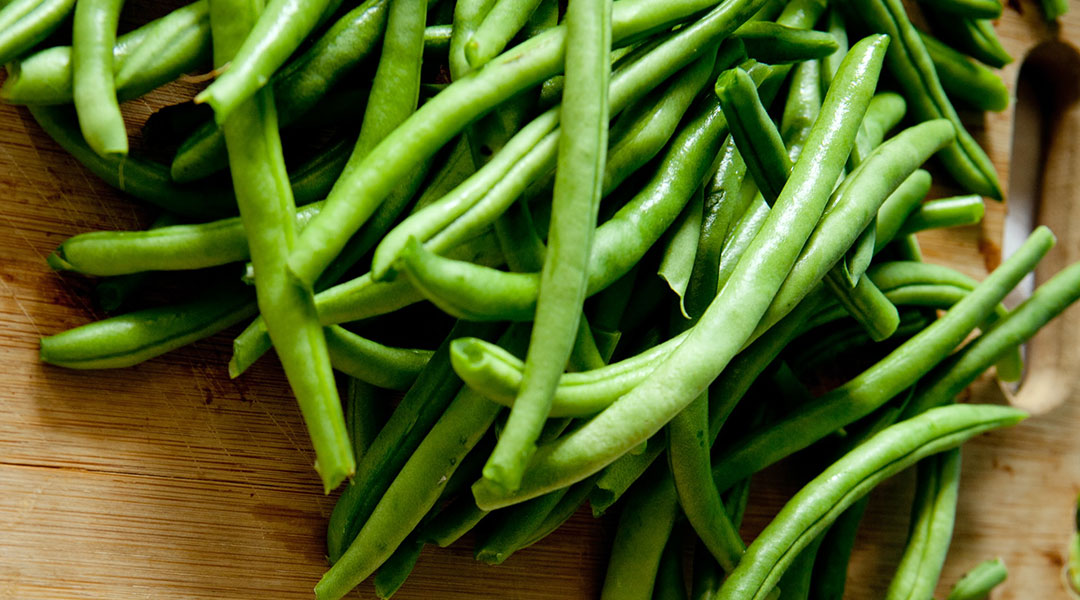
966, 80
414, 416
776, 44
933, 513
975, 37
27, 23
146, 180
818, 504
393, 368
914, 71
976, 9
93, 87
977, 583
132, 338
669, 575
365, 414
1054, 9
392, 574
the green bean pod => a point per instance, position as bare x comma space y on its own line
777, 44
755, 135
93, 87
966, 80
819, 503
129, 339
1054, 9
499, 26
885, 112
977, 583
932, 516
914, 71
25, 24
975, 9
976, 37
831, 63
281, 28
383, 366
802, 107
956, 211
888, 377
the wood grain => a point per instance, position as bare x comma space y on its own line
171, 480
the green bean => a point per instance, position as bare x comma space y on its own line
932, 516
1054, 9
414, 416
865, 302
677, 261
966, 80
437, 38
297, 87
498, 27
512, 526
669, 575
914, 71
795, 582
977, 583
114, 292
829, 576
854, 204
412, 492
689, 369
776, 44
644, 527
615, 479
93, 88
143, 59
386, 367
885, 112
897, 207
144, 179
25, 24
1048, 301
831, 63
975, 37
802, 107
956, 211
468, 16
528, 64
976, 9
392, 574
818, 504
755, 135
460, 517
129, 339
567, 506
875, 386
365, 414
281, 28
575, 205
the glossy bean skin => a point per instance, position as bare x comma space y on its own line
92, 83
143, 59
814, 507
638, 415
875, 386
23, 25
129, 339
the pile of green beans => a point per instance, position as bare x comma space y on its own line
639, 213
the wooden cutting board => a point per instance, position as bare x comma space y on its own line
169, 480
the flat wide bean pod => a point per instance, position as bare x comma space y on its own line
821, 501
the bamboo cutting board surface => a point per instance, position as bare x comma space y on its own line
169, 480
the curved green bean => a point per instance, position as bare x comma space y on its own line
777, 44
382, 366
818, 503
92, 83
932, 516
966, 80
129, 339
977, 583
974, 36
